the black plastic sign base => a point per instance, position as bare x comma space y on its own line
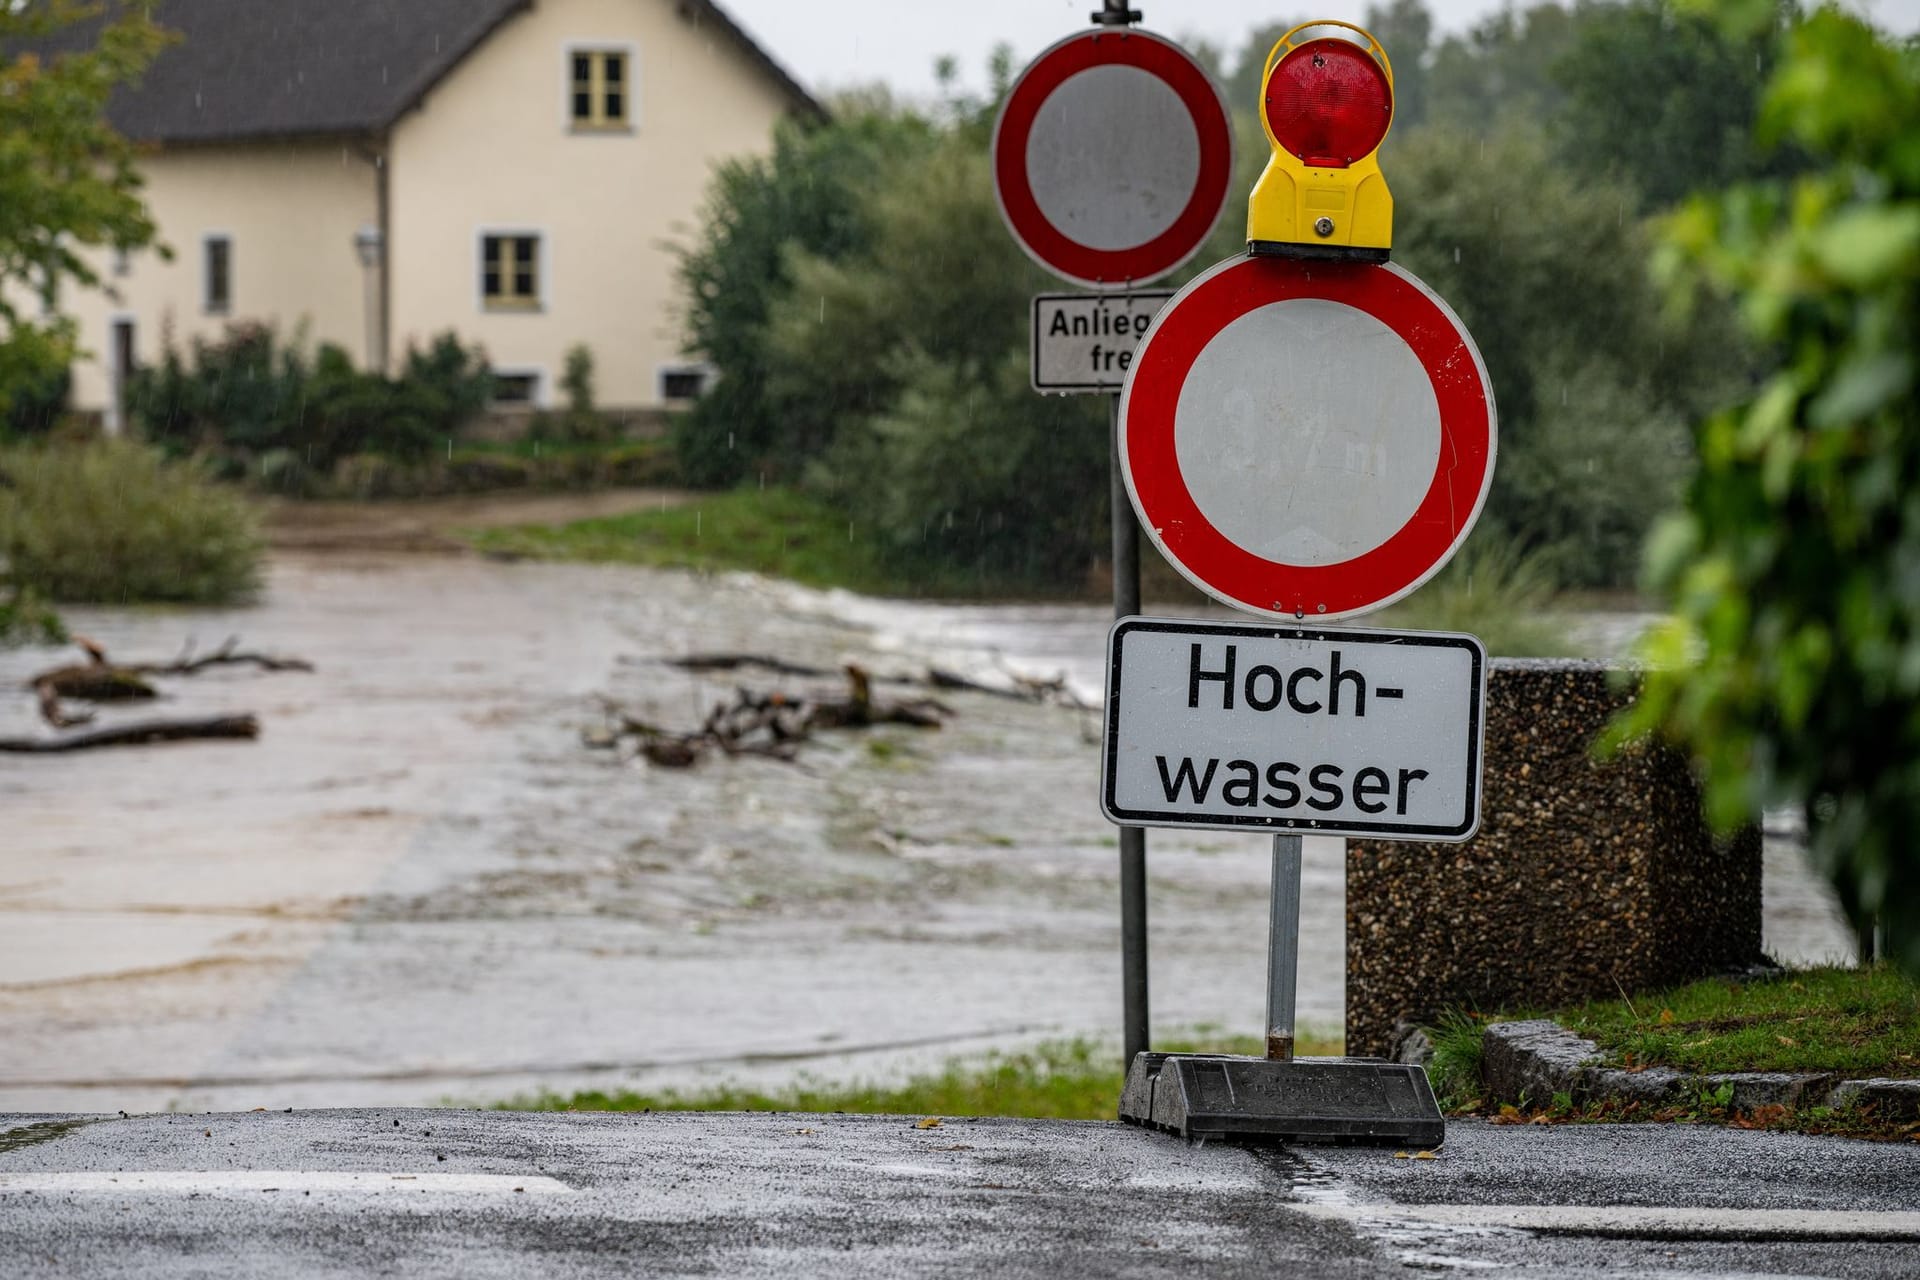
1345, 1100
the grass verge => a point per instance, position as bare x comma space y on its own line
1851, 1022
1845, 1022
777, 532
1055, 1080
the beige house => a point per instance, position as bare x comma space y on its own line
374, 172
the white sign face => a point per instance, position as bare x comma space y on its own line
1307, 440
1085, 341
1336, 731
1113, 157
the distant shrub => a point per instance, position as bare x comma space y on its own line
249, 396
580, 422
37, 404
115, 522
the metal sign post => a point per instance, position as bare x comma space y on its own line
1112, 158
1283, 947
1136, 1038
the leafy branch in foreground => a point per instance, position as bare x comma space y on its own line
1791, 667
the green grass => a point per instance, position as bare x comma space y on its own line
777, 532
1455, 1069
1507, 600
1057, 1080
1838, 1021
1852, 1022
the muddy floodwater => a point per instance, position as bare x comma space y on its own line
419, 886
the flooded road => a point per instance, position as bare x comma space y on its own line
419, 886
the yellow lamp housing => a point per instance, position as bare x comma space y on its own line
1326, 103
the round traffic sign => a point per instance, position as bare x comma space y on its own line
1307, 439
1112, 157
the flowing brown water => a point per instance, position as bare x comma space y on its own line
419, 885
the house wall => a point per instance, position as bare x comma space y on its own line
291, 209
492, 149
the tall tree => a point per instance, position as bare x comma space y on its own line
68, 182
1666, 99
1500, 72
1404, 29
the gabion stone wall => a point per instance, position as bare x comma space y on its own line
1585, 879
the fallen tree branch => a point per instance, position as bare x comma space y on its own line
226, 655
145, 731
735, 661
765, 724
101, 680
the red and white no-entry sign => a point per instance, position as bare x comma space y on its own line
1112, 157
1307, 438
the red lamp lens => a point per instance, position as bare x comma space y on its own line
1328, 103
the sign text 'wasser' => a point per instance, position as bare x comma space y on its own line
1337, 731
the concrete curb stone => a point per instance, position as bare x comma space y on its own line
1899, 1098
1528, 1062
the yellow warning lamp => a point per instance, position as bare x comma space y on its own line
1326, 101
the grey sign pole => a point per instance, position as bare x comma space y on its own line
1283, 947
1126, 603
1133, 840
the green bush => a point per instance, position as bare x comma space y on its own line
116, 523
37, 402
249, 396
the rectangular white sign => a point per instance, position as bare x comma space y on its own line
1335, 730
1085, 341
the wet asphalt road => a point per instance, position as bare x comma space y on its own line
430, 1193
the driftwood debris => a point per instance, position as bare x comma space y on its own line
140, 733
1019, 688
100, 679
768, 724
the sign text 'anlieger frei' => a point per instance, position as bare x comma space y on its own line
1085, 341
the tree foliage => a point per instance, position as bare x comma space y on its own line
1593, 442
67, 180
867, 309
805, 198
1666, 99
1792, 668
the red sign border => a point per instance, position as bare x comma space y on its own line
1222, 568
1047, 244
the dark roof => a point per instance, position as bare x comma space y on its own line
284, 68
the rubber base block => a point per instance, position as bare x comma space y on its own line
1347, 1100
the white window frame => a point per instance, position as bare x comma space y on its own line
627, 127
542, 388
207, 241
542, 268
707, 372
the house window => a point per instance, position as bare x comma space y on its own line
516, 388
219, 274
600, 88
510, 273
683, 382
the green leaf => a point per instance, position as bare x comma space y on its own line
1863, 245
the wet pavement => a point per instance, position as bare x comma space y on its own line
419, 886
432, 1193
